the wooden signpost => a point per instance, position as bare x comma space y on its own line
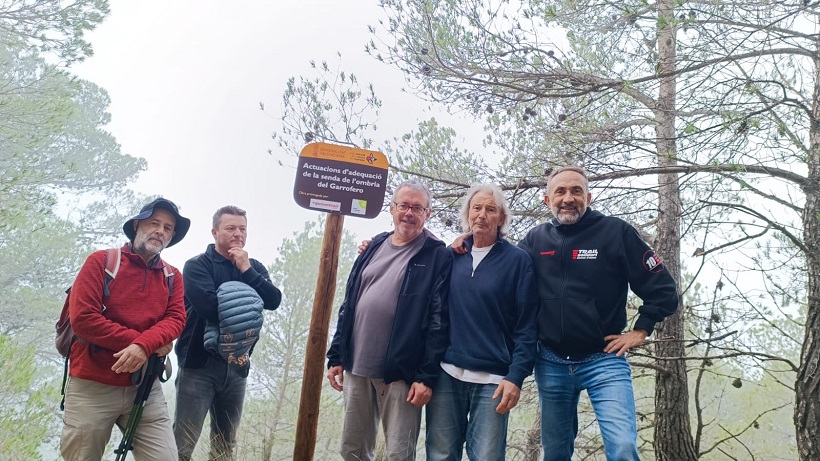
340, 181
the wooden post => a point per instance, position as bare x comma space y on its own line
314, 372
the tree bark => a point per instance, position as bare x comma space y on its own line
282, 393
532, 450
807, 387
673, 433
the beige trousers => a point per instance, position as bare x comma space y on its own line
368, 401
91, 411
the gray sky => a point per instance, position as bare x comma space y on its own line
185, 80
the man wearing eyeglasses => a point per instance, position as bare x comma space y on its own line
391, 332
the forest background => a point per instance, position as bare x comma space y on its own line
698, 121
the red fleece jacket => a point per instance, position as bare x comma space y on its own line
138, 311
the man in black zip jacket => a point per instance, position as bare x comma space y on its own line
584, 262
206, 383
392, 331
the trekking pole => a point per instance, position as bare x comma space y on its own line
153, 368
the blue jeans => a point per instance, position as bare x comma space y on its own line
462, 412
608, 382
219, 389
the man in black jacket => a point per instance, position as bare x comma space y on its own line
206, 382
391, 331
584, 263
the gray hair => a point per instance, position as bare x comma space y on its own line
229, 209
578, 169
416, 186
500, 201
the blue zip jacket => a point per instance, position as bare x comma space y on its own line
494, 309
583, 272
419, 334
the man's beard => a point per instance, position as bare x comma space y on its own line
151, 246
569, 216
144, 243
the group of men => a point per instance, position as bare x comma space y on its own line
122, 318
457, 329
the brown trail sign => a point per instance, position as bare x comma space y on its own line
341, 181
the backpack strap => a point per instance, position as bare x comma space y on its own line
113, 258
65, 380
169, 277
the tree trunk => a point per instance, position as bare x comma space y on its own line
532, 449
807, 387
280, 403
673, 433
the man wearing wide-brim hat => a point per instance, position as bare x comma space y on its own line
119, 323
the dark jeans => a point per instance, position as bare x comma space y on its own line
218, 389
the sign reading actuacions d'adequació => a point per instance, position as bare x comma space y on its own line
340, 179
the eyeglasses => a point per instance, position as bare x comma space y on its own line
403, 207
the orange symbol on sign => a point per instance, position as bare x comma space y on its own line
370, 158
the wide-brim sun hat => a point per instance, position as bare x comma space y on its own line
180, 229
